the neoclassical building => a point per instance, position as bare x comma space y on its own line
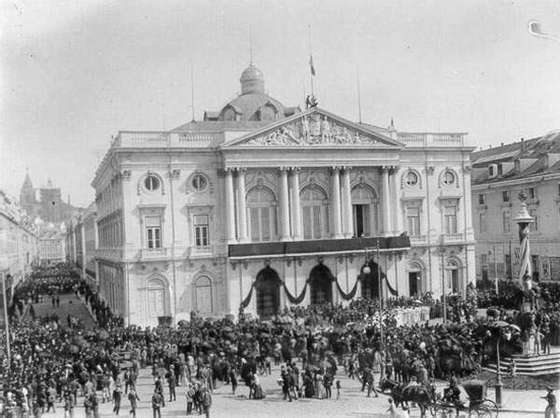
264, 206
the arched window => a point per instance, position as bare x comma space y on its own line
157, 300
364, 209
261, 207
314, 206
203, 295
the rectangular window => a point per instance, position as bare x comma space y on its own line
505, 196
201, 235
450, 219
532, 193
153, 231
506, 222
558, 189
413, 220
255, 233
535, 225
482, 222
481, 199
307, 230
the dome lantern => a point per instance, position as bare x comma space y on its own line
252, 80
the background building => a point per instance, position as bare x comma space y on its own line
81, 243
52, 248
45, 202
266, 206
19, 244
499, 175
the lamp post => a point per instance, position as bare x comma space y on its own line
506, 334
6, 323
367, 270
443, 289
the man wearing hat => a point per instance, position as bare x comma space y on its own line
550, 411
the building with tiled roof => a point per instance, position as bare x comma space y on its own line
499, 175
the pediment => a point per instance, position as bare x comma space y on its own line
314, 128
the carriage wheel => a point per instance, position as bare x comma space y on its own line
487, 409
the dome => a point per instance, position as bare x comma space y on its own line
252, 107
252, 80
252, 73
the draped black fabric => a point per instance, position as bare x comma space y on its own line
247, 300
296, 300
393, 291
349, 295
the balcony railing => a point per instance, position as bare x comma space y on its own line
426, 139
166, 139
112, 253
453, 237
153, 253
417, 239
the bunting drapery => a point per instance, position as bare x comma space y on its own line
351, 294
389, 287
247, 300
296, 300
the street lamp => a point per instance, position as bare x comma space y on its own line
6, 323
443, 289
367, 270
505, 333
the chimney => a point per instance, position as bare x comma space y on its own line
522, 144
501, 144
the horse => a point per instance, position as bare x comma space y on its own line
424, 396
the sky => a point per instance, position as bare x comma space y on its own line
73, 73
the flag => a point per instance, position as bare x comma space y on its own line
311, 66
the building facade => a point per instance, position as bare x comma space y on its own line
499, 175
81, 243
52, 248
263, 206
19, 243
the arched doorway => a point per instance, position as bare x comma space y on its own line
320, 283
454, 284
268, 293
370, 281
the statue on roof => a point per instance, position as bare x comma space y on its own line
311, 101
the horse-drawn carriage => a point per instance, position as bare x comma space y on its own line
447, 405
478, 404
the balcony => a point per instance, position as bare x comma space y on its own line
157, 139
109, 253
427, 139
154, 253
326, 246
418, 239
453, 237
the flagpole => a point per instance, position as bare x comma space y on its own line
359, 95
310, 61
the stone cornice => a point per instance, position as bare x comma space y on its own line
515, 182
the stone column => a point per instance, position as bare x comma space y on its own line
284, 206
296, 205
335, 202
230, 207
347, 215
386, 201
397, 211
241, 206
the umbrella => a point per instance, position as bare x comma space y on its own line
504, 324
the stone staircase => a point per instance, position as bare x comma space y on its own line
530, 365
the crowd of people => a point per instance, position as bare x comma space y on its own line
53, 363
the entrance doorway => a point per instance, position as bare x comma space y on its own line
361, 218
413, 284
320, 283
268, 293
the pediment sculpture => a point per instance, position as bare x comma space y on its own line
313, 129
